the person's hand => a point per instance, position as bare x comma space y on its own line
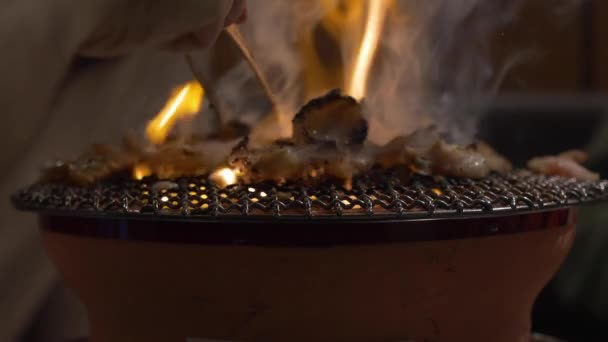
126, 25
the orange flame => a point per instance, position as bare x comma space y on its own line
224, 177
185, 102
376, 16
322, 44
346, 21
340, 50
141, 171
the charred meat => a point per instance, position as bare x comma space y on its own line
333, 118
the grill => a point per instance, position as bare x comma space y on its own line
427, 244
374, 196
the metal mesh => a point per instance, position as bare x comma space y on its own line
421, 196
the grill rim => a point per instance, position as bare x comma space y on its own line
307, 235
268, 218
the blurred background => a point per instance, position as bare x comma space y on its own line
553, 102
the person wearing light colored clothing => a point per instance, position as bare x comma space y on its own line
73, 73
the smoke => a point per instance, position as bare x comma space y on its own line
435, 67
271, 32
434, 63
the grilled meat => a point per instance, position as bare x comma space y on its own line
333, 118
407, 150
494, 160
101, 161
567, 164
457, 161
327, 143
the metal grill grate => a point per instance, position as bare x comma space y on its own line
420, 197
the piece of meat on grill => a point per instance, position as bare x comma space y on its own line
333, 118
495, 161
424, 152
567, 164
343, 166
407, 150
176, 160
276, 162
99, 162
457, 161
285, 161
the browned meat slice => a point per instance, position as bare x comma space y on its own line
101, 161
285, 161
276, 162
424, 152
575, 155
171, 160
176, 160
457, 161
495, 161
407, 150
333, 118
343, 166
566, 164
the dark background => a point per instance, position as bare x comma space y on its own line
552, 103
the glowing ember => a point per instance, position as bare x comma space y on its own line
376, 17
185, 102
141, 171
224, 177
437, 191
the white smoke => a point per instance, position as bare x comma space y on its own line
433, 64
271, 33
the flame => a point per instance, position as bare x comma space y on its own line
351, 30
376, 16
185, 102
224, 177
322, 44
340, 50
141, 171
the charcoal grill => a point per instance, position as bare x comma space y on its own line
427, 259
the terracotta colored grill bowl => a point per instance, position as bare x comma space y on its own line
430, 260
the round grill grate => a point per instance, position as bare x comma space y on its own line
382, 196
